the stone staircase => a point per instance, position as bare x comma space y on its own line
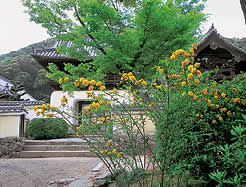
70, 147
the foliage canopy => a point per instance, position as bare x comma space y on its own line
124, 37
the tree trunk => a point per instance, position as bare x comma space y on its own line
243, 6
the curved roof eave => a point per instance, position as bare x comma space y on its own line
213, 39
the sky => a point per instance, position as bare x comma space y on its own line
16, 31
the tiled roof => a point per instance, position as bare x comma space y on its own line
24, 103
213, 38
17, 106
12, 109
53, 53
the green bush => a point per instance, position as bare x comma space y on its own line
47, 128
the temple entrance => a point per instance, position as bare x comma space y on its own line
79, 108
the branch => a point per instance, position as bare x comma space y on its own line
83, 24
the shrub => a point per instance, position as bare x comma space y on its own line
47, 128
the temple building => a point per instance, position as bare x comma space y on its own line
214, 50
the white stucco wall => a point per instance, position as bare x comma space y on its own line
81, 96
76, 96
9, 125
30, 113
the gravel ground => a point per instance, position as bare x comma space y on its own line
37, 172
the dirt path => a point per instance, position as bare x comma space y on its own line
38, 172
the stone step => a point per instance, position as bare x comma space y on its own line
55, 147
47, 154
50, 142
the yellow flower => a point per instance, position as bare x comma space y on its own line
76, 83
49, 115
132, 78
195, 97
197, 65
99, 83
205, 91
60, 81
85, 82
223, 94
108, 102
102, 88
197, 81
37, 112
229, 113
220, 118
92, 82
172, 57
151, 104
214, 121
161, 70
183, 94
190, 93
190, 67
66, 79
199, 74
90, 88
194, 45
144, 83
114, 89
130, 74
81, 79
64, 99
217, 106
187, 61
87, 108
101, 102
193, 70
119, 154
197, 115
183, 83
103, 119
108, 143
190, 76
114, 151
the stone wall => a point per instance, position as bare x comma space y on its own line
10, 145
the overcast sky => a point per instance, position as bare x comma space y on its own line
17, 31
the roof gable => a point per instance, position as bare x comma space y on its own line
214, 40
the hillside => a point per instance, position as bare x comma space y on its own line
239, 42
20, 65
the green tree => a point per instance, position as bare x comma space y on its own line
16, 91
132, 38
25, 69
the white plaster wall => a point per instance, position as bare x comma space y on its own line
9, 125
81, 96
31, 113
76, 96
